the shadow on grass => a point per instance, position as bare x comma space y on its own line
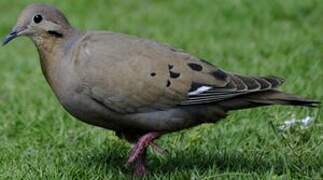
203, 162
113, 161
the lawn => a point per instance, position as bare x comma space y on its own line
39, 140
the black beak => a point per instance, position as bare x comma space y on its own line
9, 37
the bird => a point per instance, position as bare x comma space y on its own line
139, 88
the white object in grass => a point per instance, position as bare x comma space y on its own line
303, 123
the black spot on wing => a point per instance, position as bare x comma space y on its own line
219, 74
195, 67
153, 74
174, 75
170, 66
168, 83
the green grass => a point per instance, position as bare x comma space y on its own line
39, 140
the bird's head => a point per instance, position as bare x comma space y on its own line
39, 21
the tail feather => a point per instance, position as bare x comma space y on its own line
266, 98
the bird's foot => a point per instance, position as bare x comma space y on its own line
139, 166
138, 153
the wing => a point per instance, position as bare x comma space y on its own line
237, 85
131, 75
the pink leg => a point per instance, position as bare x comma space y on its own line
139, 165
138, 153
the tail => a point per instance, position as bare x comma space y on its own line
266, 98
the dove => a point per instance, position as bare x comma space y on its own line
138, 88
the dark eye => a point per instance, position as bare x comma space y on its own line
37, 19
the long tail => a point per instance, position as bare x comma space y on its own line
266, 98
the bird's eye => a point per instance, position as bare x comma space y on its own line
37, 18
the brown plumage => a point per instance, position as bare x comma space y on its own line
139, 88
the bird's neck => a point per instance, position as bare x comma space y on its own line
52, 51
48, 43
49, 55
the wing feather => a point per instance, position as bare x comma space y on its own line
238, 85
